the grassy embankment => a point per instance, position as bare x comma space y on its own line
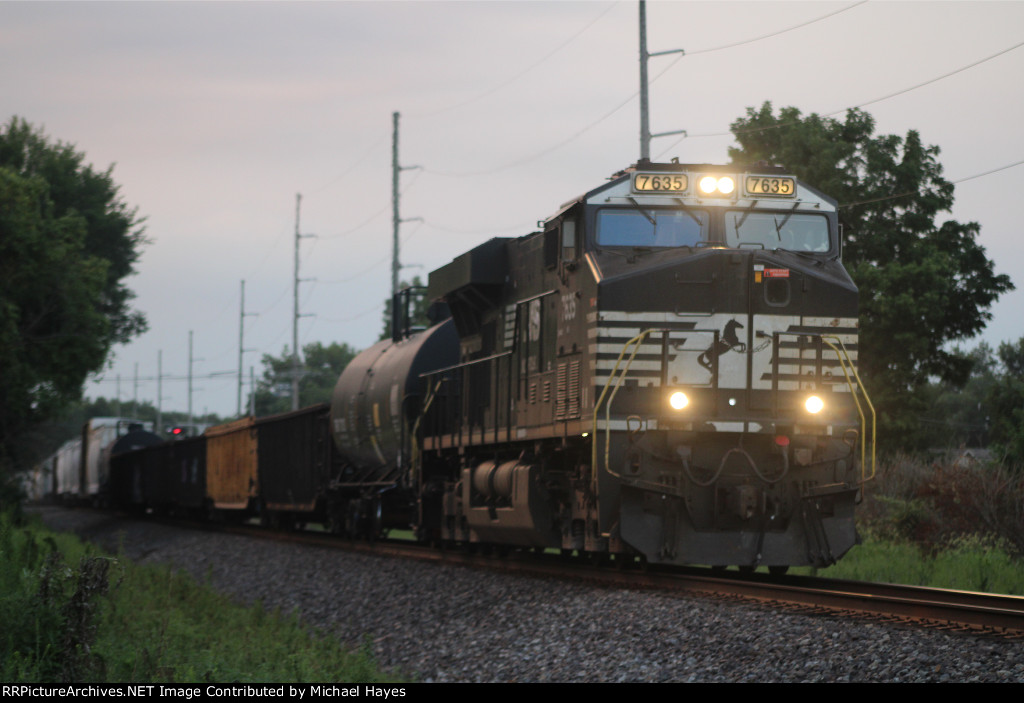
73, 614
940, 525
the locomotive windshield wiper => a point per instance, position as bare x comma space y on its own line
649, 216
780, 225
686, 208
746, 213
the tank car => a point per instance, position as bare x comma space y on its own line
666, 371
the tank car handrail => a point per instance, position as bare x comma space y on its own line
414, 448
464, 364
848, 365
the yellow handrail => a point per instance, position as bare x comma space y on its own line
635, 342
847, 366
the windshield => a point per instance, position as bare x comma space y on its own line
651, 228
777, 230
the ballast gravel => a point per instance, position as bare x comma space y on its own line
448, 624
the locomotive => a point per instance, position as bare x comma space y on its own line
667, 370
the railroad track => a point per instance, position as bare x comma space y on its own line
951, 610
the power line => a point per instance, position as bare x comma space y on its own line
522, 73
628, 100
776, 33
914, 192
364, 313
750, 130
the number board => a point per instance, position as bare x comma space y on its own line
660, 183
770, 186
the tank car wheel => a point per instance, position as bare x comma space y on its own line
746, 568
778, 570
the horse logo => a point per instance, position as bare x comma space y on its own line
727, 341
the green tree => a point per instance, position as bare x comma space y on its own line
1005, 403
320, 372
113, 231
922, 285
66, 243
958, 415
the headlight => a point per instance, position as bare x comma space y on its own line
814, 404
714, 185
678, 400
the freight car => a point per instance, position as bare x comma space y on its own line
665, 371
78, 471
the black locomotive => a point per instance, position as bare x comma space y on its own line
667, 372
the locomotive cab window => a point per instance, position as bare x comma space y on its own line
777, 230
651, 228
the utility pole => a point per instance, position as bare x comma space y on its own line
396, 220
296, 363
159, 391
645, 129
241, 345
190, 378
135, 393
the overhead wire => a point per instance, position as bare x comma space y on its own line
905, 193
628, 100
751, 130
522, 73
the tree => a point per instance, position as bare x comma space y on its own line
66, 243
320, 374
113, 231
958, 415
1006, 404
922, 285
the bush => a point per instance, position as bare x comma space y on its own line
49, 610
934, 504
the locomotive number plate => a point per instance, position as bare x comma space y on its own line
660, 183
771, 186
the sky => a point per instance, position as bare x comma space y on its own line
215, 115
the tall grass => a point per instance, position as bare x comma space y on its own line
941, 524
71, 614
